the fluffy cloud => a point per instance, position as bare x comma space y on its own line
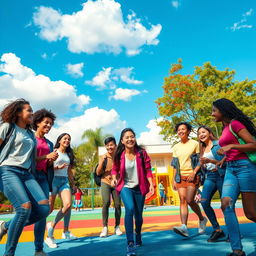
19, 81
75, 70
125, 94
92, 118
98, 27
176, 4
242, 23
107, 78
101, 79
152, 136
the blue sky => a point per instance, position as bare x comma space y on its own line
102, 63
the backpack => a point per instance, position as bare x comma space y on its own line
7, 137
97, 178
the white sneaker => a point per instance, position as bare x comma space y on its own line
202, 225
3, 230
42, 253
118, 231
49, 229
182, 230
68, 236
50, 242
104, 232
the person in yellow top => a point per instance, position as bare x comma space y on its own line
186, 179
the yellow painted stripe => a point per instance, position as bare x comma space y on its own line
28, 236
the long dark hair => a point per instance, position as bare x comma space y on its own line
10, 113
230, 111
202, 144
69, 150
120, 147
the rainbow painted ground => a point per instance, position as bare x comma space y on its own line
158, 237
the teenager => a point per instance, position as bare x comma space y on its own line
132, 177
43, 121
186, 179
17, 166
240, 172
161, 189
62, 177
106, 189
213, 165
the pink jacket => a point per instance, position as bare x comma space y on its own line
143, 175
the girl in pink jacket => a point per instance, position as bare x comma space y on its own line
132, 177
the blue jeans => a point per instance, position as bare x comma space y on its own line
20, 187
213, 182
59, 184
240, 177
134, 203
39, 228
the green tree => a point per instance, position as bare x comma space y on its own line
87, 155
189, 97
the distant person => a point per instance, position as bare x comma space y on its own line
62, 177
240, 172
161, 192
78, 198
107, 190
17, 169
186, 179
132, 177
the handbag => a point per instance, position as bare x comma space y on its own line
251, 155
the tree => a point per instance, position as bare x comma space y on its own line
189, 97
87, 155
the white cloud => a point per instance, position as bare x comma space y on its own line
47, 57
107, 78
92, 118
152, 136
98, 27
242, 23
125, 94
101, 79
125, 75
19, 81
176, 4
75, 70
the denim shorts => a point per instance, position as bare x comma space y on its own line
240, 177
59, 184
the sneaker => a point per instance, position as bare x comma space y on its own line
68, 236
50, 242
131, 250
118, 231
104, 232
3, 230
138, 240
202, 225
216, 235
236, 254
41, 253
182, 230
49, 229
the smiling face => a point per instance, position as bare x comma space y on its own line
204, 135
65, 141
216, 114
183, 132
26, 114
129, 140
45, 125
111, 147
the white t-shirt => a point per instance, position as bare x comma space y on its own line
131, 174
209, 166
21, 150
62, 158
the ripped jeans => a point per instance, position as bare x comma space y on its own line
240, 177
28, 200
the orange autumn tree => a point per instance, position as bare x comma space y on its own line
189, 97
